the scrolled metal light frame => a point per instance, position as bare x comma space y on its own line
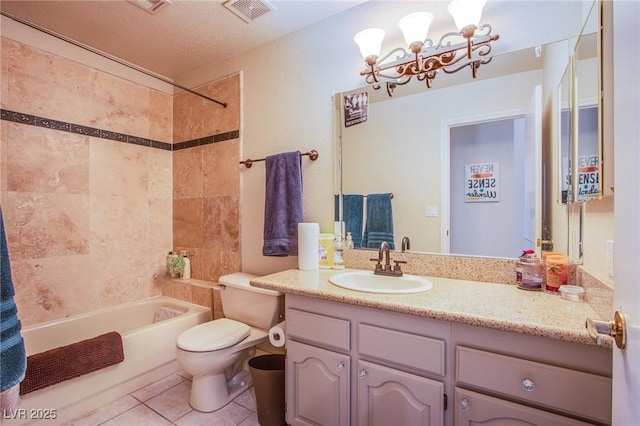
424, 60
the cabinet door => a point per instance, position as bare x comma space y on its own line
392, 397
317, 386
474, 408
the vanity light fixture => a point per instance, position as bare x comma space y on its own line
470, 46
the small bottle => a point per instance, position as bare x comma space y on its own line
338, 261
186, 275
349, 242
529, 271
325, 251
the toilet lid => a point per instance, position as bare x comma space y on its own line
213, 335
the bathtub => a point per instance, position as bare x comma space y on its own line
149, 329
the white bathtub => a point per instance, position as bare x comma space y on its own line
149, 354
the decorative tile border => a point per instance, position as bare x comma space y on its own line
32, 120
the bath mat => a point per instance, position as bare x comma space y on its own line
66, 362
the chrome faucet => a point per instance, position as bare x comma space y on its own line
406, 244
383, 254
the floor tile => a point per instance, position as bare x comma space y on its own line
173, 403
252, 420
138, 416
156, 388
247, 399
107, 412
231, 414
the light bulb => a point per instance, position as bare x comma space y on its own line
466, 12
415, 27
369, 41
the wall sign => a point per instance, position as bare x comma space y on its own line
588, 177
482, 183
356, 108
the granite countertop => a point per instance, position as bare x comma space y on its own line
492, 305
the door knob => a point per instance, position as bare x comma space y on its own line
616, 329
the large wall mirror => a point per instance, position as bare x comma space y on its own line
421, 145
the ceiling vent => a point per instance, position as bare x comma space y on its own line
151, 6
248, 10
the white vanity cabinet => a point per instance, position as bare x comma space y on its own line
353, 365
350, 365
508, 378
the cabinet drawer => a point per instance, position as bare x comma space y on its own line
473, 408
321, 329
575, 392
402, 348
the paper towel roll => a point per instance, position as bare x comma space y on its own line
276, 335
308, 234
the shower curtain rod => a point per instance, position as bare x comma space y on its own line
112, 58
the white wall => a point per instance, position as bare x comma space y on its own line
288, 86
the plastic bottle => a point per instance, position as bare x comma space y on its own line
529, 271
186, 275
338, 248
325, 251
349, 243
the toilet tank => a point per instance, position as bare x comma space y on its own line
257, 307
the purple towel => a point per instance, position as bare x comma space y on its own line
282, 204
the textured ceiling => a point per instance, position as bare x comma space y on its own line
189, 34
181, 37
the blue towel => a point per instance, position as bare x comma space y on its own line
13, 360
352, 216
282, 204
379, 224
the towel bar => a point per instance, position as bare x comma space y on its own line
313, 155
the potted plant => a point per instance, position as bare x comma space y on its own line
175, 265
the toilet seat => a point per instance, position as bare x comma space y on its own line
213, 335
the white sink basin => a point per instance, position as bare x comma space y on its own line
367, 281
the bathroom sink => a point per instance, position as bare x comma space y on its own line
367, 281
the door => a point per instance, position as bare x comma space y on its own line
529, 126
626, 128
318, 390
391, 397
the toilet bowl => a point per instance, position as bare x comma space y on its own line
216, 353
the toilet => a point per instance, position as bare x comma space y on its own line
216, 353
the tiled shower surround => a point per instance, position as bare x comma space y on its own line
89, 216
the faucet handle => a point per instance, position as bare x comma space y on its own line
397, 269
378, 264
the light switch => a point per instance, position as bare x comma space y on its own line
432, 211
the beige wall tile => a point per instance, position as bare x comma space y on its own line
46, 161
221, 168
52, 287
118, 168
187, 173
46, 225
187, 223
160, 116
221, 223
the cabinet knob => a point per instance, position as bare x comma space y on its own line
340, 366
465, 404
528, 385
362, 373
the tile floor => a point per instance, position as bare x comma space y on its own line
166, 403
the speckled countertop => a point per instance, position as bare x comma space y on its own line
492, 305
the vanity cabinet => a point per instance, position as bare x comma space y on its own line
353, 365
358, 366
523, 380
